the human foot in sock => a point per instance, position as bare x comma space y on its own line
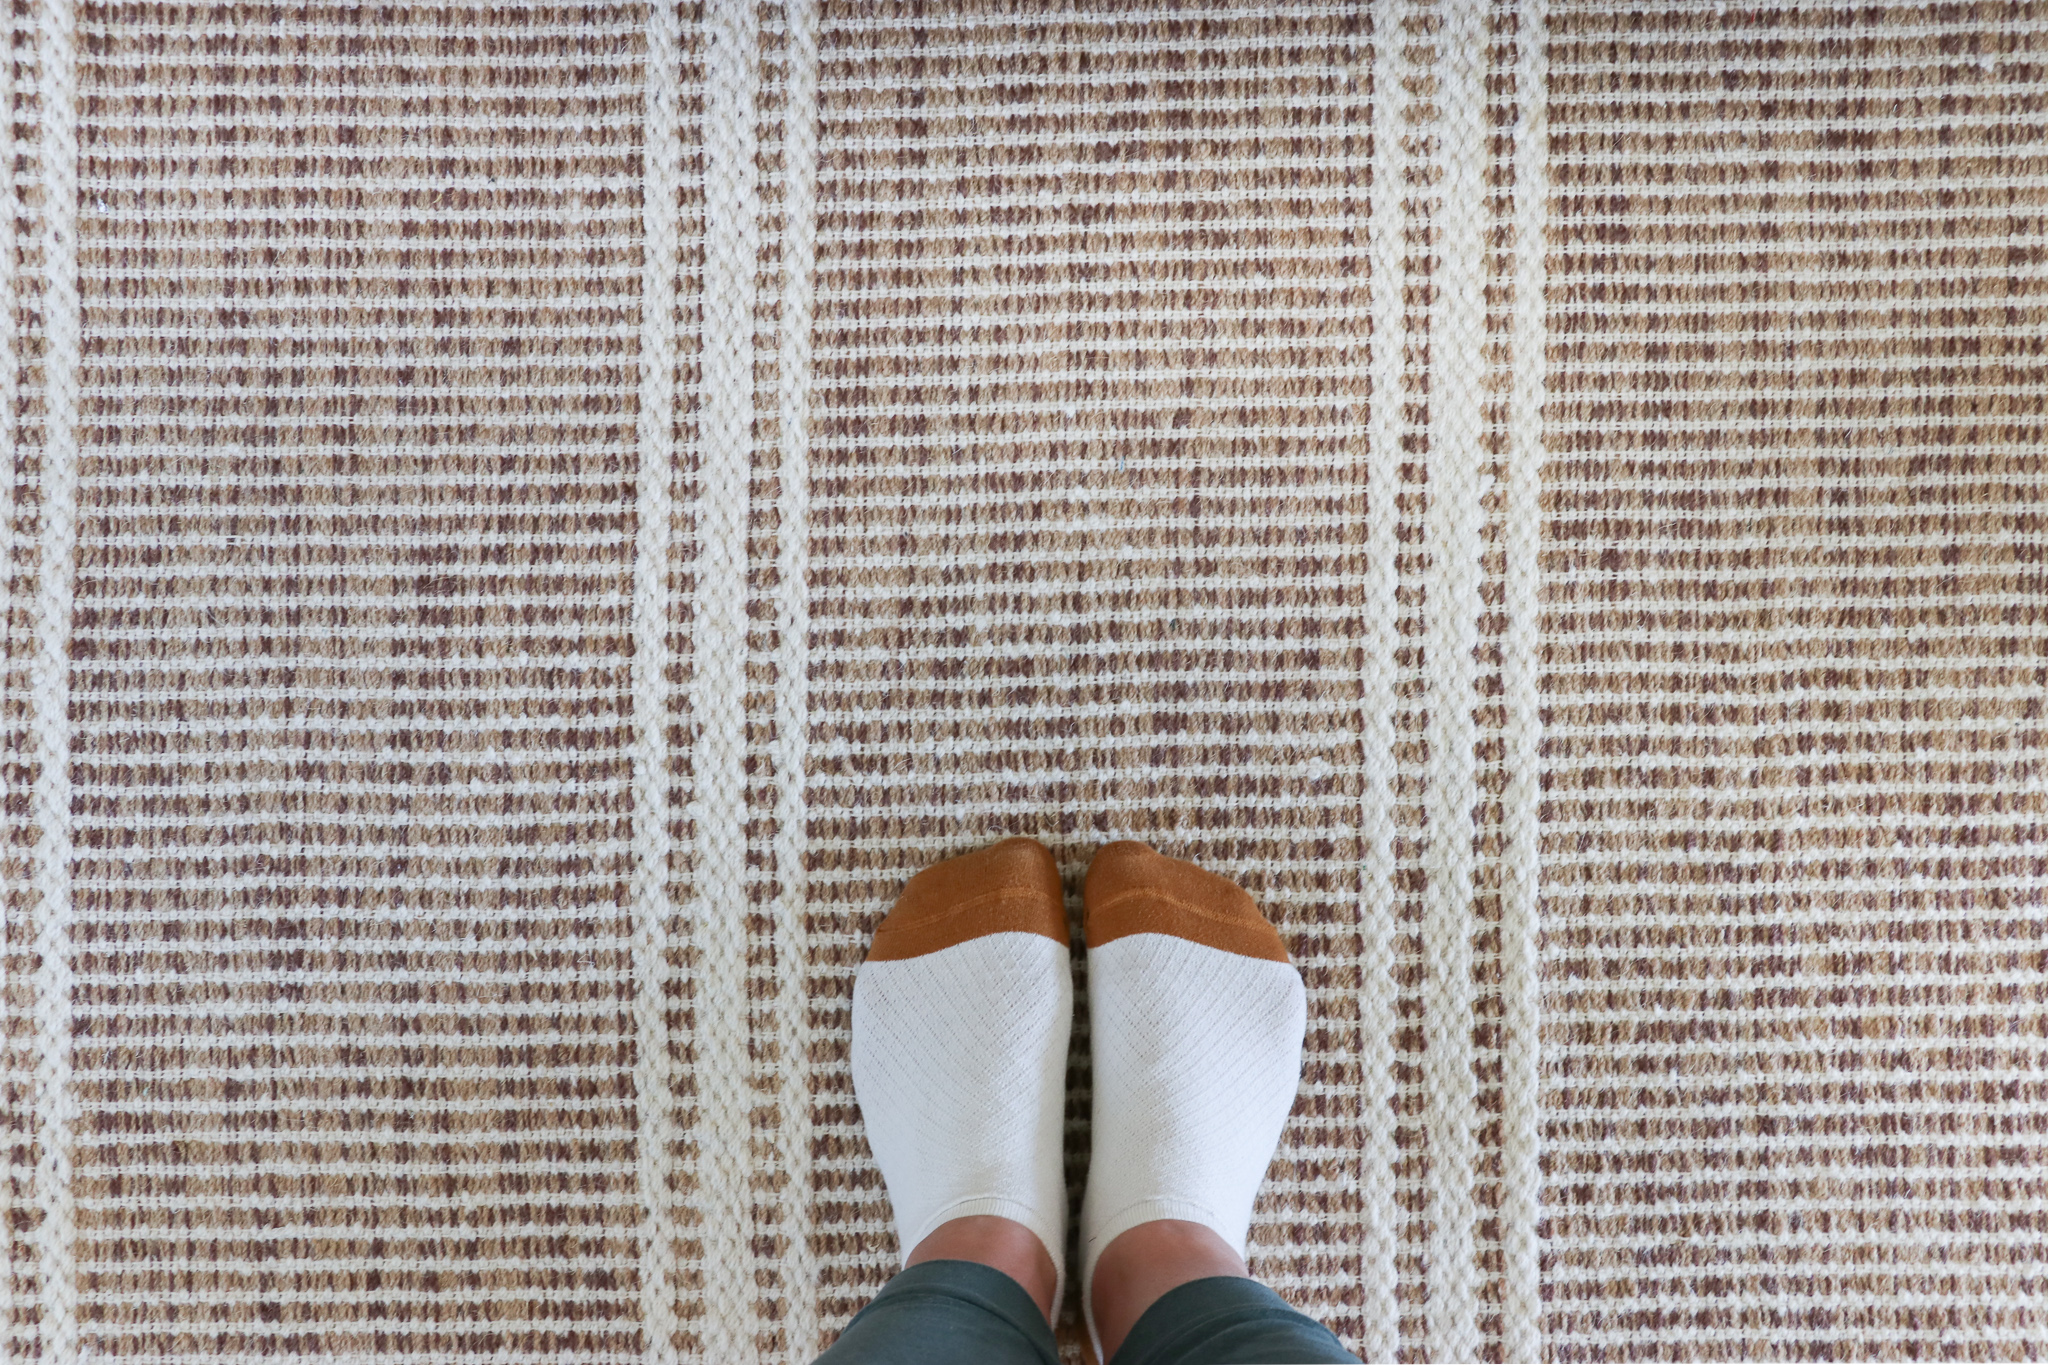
1197, 1023
960, 1021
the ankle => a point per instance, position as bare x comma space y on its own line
1143, 1263
1000, 1243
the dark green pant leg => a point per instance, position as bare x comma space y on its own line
1227, 1321
947, 1313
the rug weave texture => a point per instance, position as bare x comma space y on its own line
522, 524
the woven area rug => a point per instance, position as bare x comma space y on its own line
525, 523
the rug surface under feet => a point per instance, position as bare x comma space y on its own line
523, 524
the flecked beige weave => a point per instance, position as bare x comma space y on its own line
524, 523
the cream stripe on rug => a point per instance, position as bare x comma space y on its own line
1379, 993
11, 337
50, 801
714, 916
657, 1137
797, 1266
1457, 333
18, 1132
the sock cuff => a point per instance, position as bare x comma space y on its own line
1145, 1211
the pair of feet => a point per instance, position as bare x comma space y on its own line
961, 1016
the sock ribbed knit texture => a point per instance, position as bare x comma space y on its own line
1197, 1049
960, 1027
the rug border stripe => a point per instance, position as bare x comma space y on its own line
1454, 522
1521, 863
653, 844
50, 679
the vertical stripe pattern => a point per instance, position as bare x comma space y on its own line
50, 738
656, 1137
1796, 635
1085, 557
1404, 265
716, 915
20, 468
796, 1267
523, 525
1379, 777
354, 1021
11, 300
1521, 572
1451, 609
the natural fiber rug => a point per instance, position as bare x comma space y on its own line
527, 523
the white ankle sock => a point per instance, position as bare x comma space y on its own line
960, 1022
1197, 1021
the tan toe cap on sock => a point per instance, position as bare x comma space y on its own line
1133, 889
1010, 887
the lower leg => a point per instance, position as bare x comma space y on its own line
973, 1290
1000, 1243
1143, 1263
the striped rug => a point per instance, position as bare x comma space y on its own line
524, 522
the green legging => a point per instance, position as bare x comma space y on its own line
966, 1313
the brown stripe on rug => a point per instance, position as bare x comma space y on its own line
1086, 498
348, 691
1795, 1005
